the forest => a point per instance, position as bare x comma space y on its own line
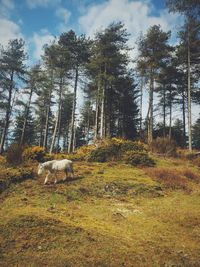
39, 103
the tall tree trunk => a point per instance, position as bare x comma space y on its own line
71, 137
141, 103
97, 111
88, 128
189, 96
46, 131
26, 117
74, 139
41, 135
65, 137
59, 127
184, 120
164, 111
150, 112
109, 113
8, 111
57, 117
103, 114
170, 114
102, 125
54, 133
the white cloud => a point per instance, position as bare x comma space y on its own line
39, 40
63, 14
42, 3
136, 15
6, 7
8, 30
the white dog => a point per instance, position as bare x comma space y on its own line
56, 165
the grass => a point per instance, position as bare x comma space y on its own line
111, 214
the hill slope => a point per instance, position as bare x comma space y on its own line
111, 214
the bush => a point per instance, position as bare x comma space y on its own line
14, 154
164, 146
101, 154
132, 146
34, 153
113, 149
136, 158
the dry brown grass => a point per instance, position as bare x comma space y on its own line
173, 178
196, 161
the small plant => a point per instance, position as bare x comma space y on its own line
34, 153
136, 158
164, 146
14, 154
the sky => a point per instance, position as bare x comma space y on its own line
39, 21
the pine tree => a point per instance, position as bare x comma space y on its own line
78, 49
153, 51
28, 131
108, 63
11, 69
191, 10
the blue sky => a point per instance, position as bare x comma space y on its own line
38, 21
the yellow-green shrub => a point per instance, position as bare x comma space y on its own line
34, 153
82, 152
113, 149
103, 154
140, 158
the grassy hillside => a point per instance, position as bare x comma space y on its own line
111, 214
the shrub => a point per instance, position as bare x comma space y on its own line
14, 154
34, 153
132, 146
102, 154
138, 158
164, 146
113, 149
82, 153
